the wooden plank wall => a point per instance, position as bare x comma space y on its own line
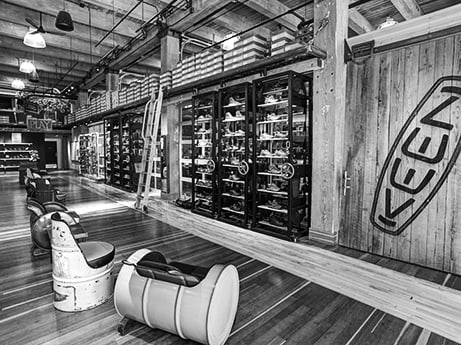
382, 92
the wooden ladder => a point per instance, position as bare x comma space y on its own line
149, 133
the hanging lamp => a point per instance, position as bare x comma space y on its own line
27, 66
33, 77
18, 84
34, 39
64, 20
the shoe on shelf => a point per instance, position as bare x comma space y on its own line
238, 206
265, 136
235, 161
281, 134
274, 169
273, 188
270, 99
274, 117
232, 101
274, 204
234, 177
235, 192
239, 132
229, 116
265, 153
280, 153
238, 115
274, 220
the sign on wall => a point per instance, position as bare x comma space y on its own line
40, 124
420, 159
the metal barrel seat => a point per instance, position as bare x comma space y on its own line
40, 223
195, 303
44, 191
82, 272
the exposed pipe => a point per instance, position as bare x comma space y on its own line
119, 22
264, 22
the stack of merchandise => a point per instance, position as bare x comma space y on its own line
81, 112
188, 69
212, 63
247, 50
177, 75
69, 118
122, 96
149, 84
166, 79
4, 119
283, 41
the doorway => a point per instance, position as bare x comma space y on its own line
51, 155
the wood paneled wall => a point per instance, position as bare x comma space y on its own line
388, 98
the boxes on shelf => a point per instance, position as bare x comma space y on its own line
279, 40
4, 119
247, 50
166, 79
177, 74
122, 96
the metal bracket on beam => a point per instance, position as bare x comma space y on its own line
361, 50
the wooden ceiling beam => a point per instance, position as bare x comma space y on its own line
99, 18
409, 9
273, 8
236, 22
177, 22
358, 23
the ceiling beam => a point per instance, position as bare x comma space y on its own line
99, 18
409, 9
46, 79
140, 49
358, 23
237, 22
273, 8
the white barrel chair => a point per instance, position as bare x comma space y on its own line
194, 303
82, 272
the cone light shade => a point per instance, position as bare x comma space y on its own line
27, 67
18, 84
33, 77
34, 40
64, 21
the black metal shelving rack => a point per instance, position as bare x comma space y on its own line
234, 154
204, 187
282, 143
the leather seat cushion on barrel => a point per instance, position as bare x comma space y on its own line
96, 253
154, 266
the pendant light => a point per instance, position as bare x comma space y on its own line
388, 22
18, 84
34, 39
33, 77
27, 67
64, 20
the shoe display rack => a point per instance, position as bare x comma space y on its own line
185, 173
204, 153
88, 155
282, 142
12, 154
234, 154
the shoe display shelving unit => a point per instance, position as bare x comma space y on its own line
12, 154
123, 152
204, 115
282, 142
88, 155
185, 173
235, 143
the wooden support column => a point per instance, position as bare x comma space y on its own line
328, 118
112, 81
169, 56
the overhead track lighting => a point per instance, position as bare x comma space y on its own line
34, 39
27, 67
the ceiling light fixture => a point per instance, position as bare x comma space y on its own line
230, 42
18, 84
33, 77
27, 67
64, 20
34, 39
388, 22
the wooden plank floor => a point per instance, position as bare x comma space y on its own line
275, 307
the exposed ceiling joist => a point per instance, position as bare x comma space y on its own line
408, 8
234, 22
358, 23
273, 8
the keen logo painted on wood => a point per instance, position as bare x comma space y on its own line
421, 158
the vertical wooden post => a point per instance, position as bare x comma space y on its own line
169, 53
330, 26
112, 81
